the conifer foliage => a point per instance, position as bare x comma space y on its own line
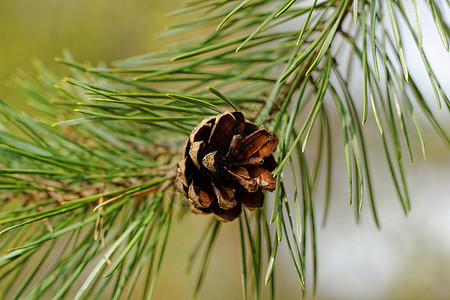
88, 183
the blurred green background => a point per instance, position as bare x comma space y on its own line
100, 30
408, 259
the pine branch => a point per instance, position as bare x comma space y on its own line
93, 173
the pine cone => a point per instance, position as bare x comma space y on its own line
227, 162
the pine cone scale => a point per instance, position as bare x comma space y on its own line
252, 161
242, 176
196, 147
202, 130
209, 161
250, 200
221, 131
253, 143
268, 148
181, 173
225, 195
200, 195
263, 178
224, 215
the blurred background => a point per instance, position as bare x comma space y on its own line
95, 31
409, 258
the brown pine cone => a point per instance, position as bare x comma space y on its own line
227, 162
